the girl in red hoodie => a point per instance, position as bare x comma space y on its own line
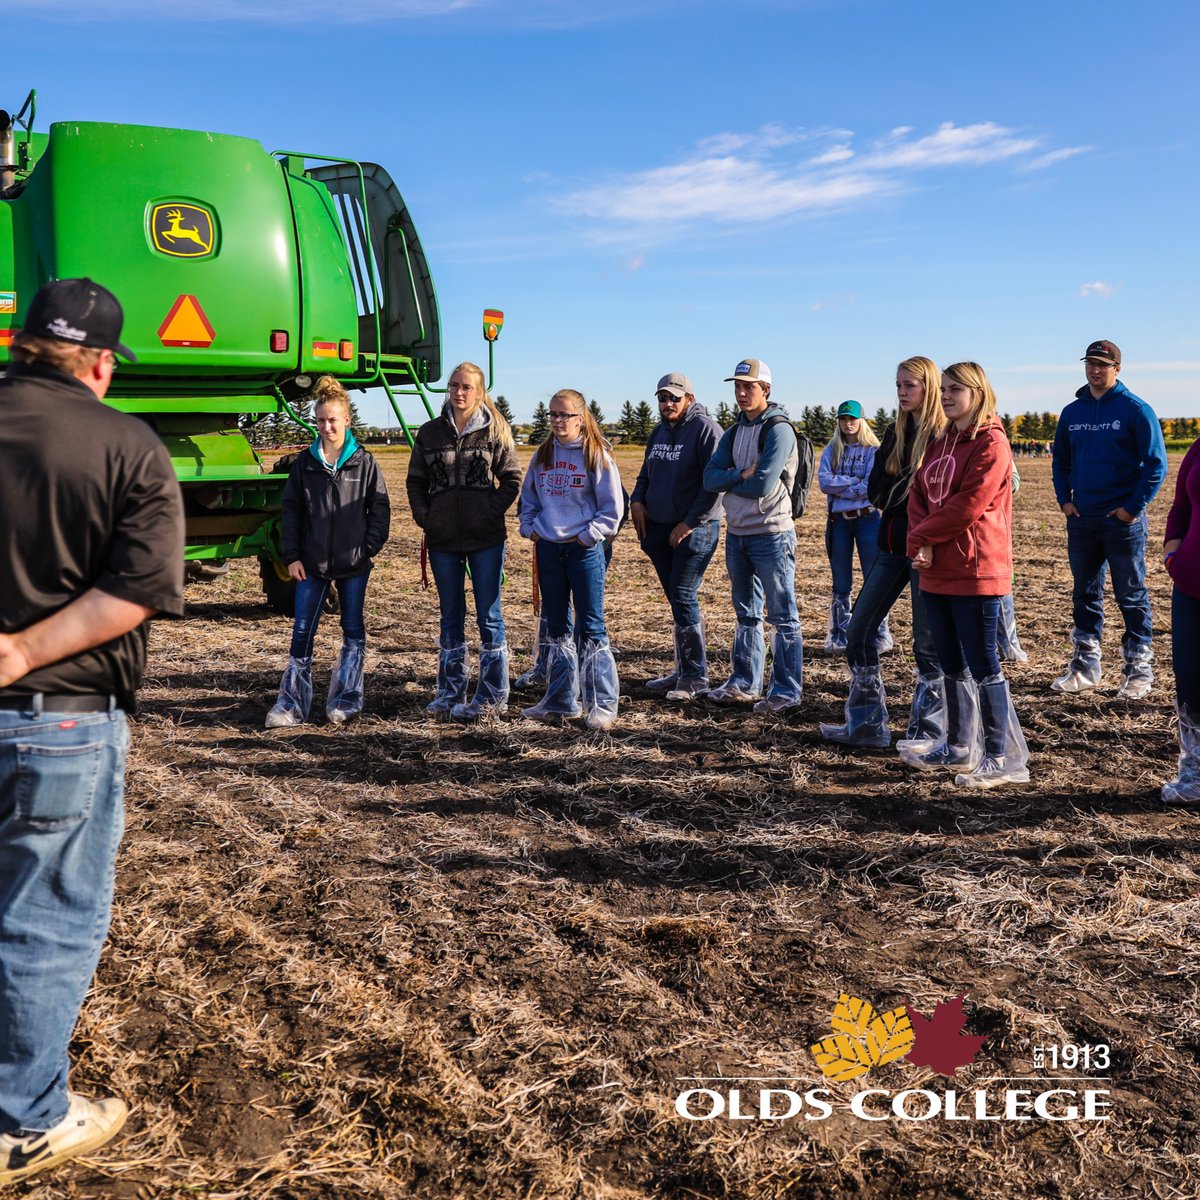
960, 542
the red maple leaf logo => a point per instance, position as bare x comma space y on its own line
941, 1043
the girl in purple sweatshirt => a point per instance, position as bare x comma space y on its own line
571, 500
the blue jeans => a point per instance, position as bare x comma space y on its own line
62, 787
888, 577
1185, 636
762, 570
1091, 543
841, 536
450, 575
569, 573
310, 598
964, 631
681, 568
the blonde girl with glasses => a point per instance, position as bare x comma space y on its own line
571, 501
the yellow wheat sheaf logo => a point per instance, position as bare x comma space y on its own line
862, 1039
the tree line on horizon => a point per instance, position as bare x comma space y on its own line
637, 421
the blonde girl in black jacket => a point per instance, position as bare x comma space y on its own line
462, 478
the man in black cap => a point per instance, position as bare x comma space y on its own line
91, 545
1109, 462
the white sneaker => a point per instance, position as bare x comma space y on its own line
86, 1127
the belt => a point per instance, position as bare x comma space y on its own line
853, 513
52, 702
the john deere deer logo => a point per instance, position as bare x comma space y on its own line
182, 230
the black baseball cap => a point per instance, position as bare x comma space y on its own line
1105, 352
78, 311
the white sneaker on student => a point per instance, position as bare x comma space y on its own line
86, 1127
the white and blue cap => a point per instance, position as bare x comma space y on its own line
750, 370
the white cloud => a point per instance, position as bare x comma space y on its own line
1054, 156
719, 189
835, 154
769, 137
752, 177
1099, 288
950, 145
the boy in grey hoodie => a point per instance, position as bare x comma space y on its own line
753, 467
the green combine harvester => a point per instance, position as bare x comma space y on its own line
244, 275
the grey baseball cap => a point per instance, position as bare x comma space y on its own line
677, 383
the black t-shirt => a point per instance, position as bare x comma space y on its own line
88, 499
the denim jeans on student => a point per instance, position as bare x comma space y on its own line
964, 631
841, 536
62, 783
762, 570
889, 575
571, 573
310, 599
1185, 637
1094, 541
450, 575
681, 568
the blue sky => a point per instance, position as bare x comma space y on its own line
667, 185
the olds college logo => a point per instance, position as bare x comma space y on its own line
863, 1039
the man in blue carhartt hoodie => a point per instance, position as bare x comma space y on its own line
753, 467
678, 523
1109, 462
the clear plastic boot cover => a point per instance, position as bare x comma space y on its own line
866, 712
693, 662
1008, 644
491, 692
295, 695
927, 716
1185, 787
598, 681
1137, 673
454, 673
562, 683
747, 657
1005, 753
787, 674
961, 746
345, 699
1084, 669
664, 683
839, 622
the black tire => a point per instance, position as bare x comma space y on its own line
280, 594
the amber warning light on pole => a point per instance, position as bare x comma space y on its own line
493, 322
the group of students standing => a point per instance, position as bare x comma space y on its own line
928, 508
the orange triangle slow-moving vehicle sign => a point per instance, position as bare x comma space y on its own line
186, 325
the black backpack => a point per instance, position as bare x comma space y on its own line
798, 487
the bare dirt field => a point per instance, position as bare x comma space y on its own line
413, 959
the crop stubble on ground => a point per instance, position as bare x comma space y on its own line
408, 958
